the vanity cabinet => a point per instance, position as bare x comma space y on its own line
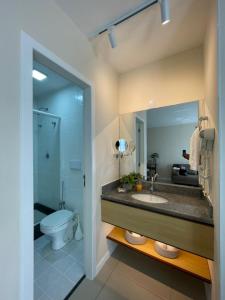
184, 234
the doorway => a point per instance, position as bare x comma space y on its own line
140, 160
33, 51
58, 183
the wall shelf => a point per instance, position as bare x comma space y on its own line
187, 262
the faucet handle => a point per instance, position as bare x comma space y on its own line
155, 176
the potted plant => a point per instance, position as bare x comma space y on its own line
138, 181
129, 181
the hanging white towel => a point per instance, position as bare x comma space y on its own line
194, 157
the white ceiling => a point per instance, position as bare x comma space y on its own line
173, 115
52, 83
141, 39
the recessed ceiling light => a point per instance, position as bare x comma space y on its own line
38, 75
151, 102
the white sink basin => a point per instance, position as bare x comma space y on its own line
149, 198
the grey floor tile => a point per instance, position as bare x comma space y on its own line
50, 267
37, 257
74, 248
59, 289
179, 296
107, 269
55, 256
50, 277
87, 290
162, 273
38, 292
41, 268
45, 297
45, 249
118, 287
41, 242
75, 272
70, 246
154, 286
65, 263
130, 275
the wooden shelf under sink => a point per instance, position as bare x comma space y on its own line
186, 261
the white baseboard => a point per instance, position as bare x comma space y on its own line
105, 257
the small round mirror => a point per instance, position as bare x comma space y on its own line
121, 145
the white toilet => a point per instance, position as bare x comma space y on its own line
57, 226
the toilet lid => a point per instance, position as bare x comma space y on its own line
57, 218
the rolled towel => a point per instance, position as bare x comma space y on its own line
194, 157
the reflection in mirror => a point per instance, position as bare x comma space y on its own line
161, 137
133, 129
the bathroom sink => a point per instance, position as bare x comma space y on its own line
149, 198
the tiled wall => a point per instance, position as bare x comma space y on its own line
35, 156
68, 104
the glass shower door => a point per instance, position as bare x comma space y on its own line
47, 160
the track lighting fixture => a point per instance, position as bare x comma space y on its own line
165, 11
110, 28
112, 36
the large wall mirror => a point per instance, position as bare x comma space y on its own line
162, 141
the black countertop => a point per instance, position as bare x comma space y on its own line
183, 202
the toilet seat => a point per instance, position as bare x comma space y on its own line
56, 219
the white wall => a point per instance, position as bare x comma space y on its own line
211, 109
9, 158
221, 88
47, 24
173, 80
169, 142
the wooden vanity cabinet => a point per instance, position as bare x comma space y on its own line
184, 234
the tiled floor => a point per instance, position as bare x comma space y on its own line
38, 216
133, 276
56, 272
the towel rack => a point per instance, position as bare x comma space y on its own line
208, 136
200, 120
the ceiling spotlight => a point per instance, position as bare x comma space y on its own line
38, 75
111, 36
165, 11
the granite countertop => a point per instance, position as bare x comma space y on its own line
183, 202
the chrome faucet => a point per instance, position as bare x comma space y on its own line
153, 179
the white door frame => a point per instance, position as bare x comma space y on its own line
221, 91
28, 47
144, 121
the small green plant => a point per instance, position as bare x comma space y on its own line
131, 178
137, 176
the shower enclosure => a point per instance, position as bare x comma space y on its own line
46, 155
